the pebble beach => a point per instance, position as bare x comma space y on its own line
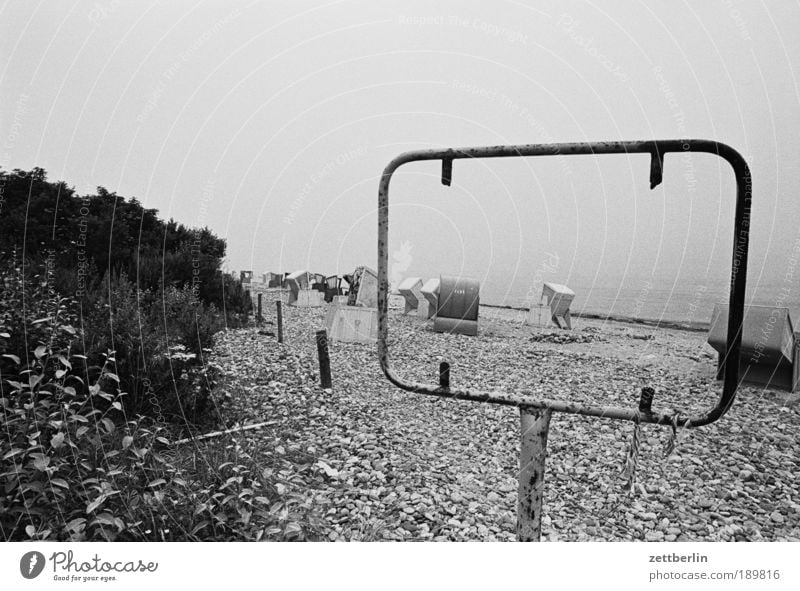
378, 463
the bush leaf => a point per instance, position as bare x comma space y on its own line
90, 508
108, 424
57, 440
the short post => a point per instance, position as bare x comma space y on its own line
444, 374
646, 400
324, 358
259, 317
279, 306
535, 425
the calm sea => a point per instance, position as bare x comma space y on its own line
652, 299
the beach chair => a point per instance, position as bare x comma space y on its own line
317, 281
363, 288
300, 294
352, 324
430, 291
348, 279
409, 288
272, 279
457, 305
354, 318
558, 297
539, 315
333, 288
770, 352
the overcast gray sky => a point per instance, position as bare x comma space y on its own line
270, 122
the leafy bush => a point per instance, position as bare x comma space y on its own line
159, 342
55, 456
32, 315
236, 300
68, 472
72, 468
93, 385
108, 232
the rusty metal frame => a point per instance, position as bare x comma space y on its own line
657, 150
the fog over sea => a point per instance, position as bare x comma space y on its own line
653, 299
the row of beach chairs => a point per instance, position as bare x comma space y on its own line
770, 351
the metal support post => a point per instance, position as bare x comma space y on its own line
535, 424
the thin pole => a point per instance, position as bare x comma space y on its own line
324, 359
535, 425
259, 318
279, 306
226, 432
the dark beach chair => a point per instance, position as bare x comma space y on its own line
333, 287
317, 282
457, 305
770, 353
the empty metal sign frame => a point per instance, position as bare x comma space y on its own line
536, 413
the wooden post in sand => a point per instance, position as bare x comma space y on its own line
324, 359
444, 374
259, 317
279, 306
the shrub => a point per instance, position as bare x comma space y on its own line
93, 385
108, 232
72, 468
159, 341
32, 315
57, 467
